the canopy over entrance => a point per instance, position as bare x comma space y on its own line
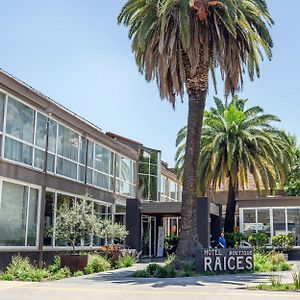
209, 219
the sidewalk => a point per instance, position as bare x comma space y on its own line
228, 281
118, 284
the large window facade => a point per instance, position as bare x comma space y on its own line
18, 214
170, 190
24, 132
54, 200
272, 221
149, 174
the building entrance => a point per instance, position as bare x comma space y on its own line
148, 236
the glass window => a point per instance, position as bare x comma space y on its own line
39, 159
81, 175
279, 221
120, 209
263, 221
100, 213
41, 131
101, 180
2, 100
19, 120
66, 168
123, 188
52, 136
148, 174
112, 163
153, 170
120, 219
90, 159
49, 218
82, 150
89, 176
18, 151
50, 162
102, 158
126, 170
68, 143
64, 200
249, 225
13, 212
172, 189
32, 217
153, 188
144, 186
293, 221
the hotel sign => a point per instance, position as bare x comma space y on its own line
226, 260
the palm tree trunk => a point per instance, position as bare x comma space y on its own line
230, 207
197, 86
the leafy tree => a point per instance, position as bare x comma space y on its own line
292, 186
178, 43
111, 230
238, 142
76, 223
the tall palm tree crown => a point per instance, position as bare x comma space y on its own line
238, 142
179, 43
171, 39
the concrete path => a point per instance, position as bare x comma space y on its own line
118, 284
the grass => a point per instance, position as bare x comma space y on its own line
275, 283
268, 287
270, 262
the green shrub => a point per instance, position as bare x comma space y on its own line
141, 274
61, 274
272, 261
187, 270
165, 272
285, 242
21, 269
285, 266
171, 243
151, 268
258, 240
56, 265
97, 263
125, 262
296, 279
276, 257
234, 239
78, 273
6, 276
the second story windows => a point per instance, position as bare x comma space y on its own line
149, 173
69, 154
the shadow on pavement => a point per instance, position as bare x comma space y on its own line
124, 277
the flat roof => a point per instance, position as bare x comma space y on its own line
168, 209
276, 201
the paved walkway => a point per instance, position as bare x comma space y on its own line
118, 284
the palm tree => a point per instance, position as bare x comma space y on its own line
238, 142
179, 43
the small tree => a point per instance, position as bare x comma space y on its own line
76, 223
111, 231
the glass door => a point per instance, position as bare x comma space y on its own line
148, 236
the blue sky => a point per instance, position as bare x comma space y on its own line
74, 52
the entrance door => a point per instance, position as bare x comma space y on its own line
148, 236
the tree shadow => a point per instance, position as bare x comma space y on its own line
123, 277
